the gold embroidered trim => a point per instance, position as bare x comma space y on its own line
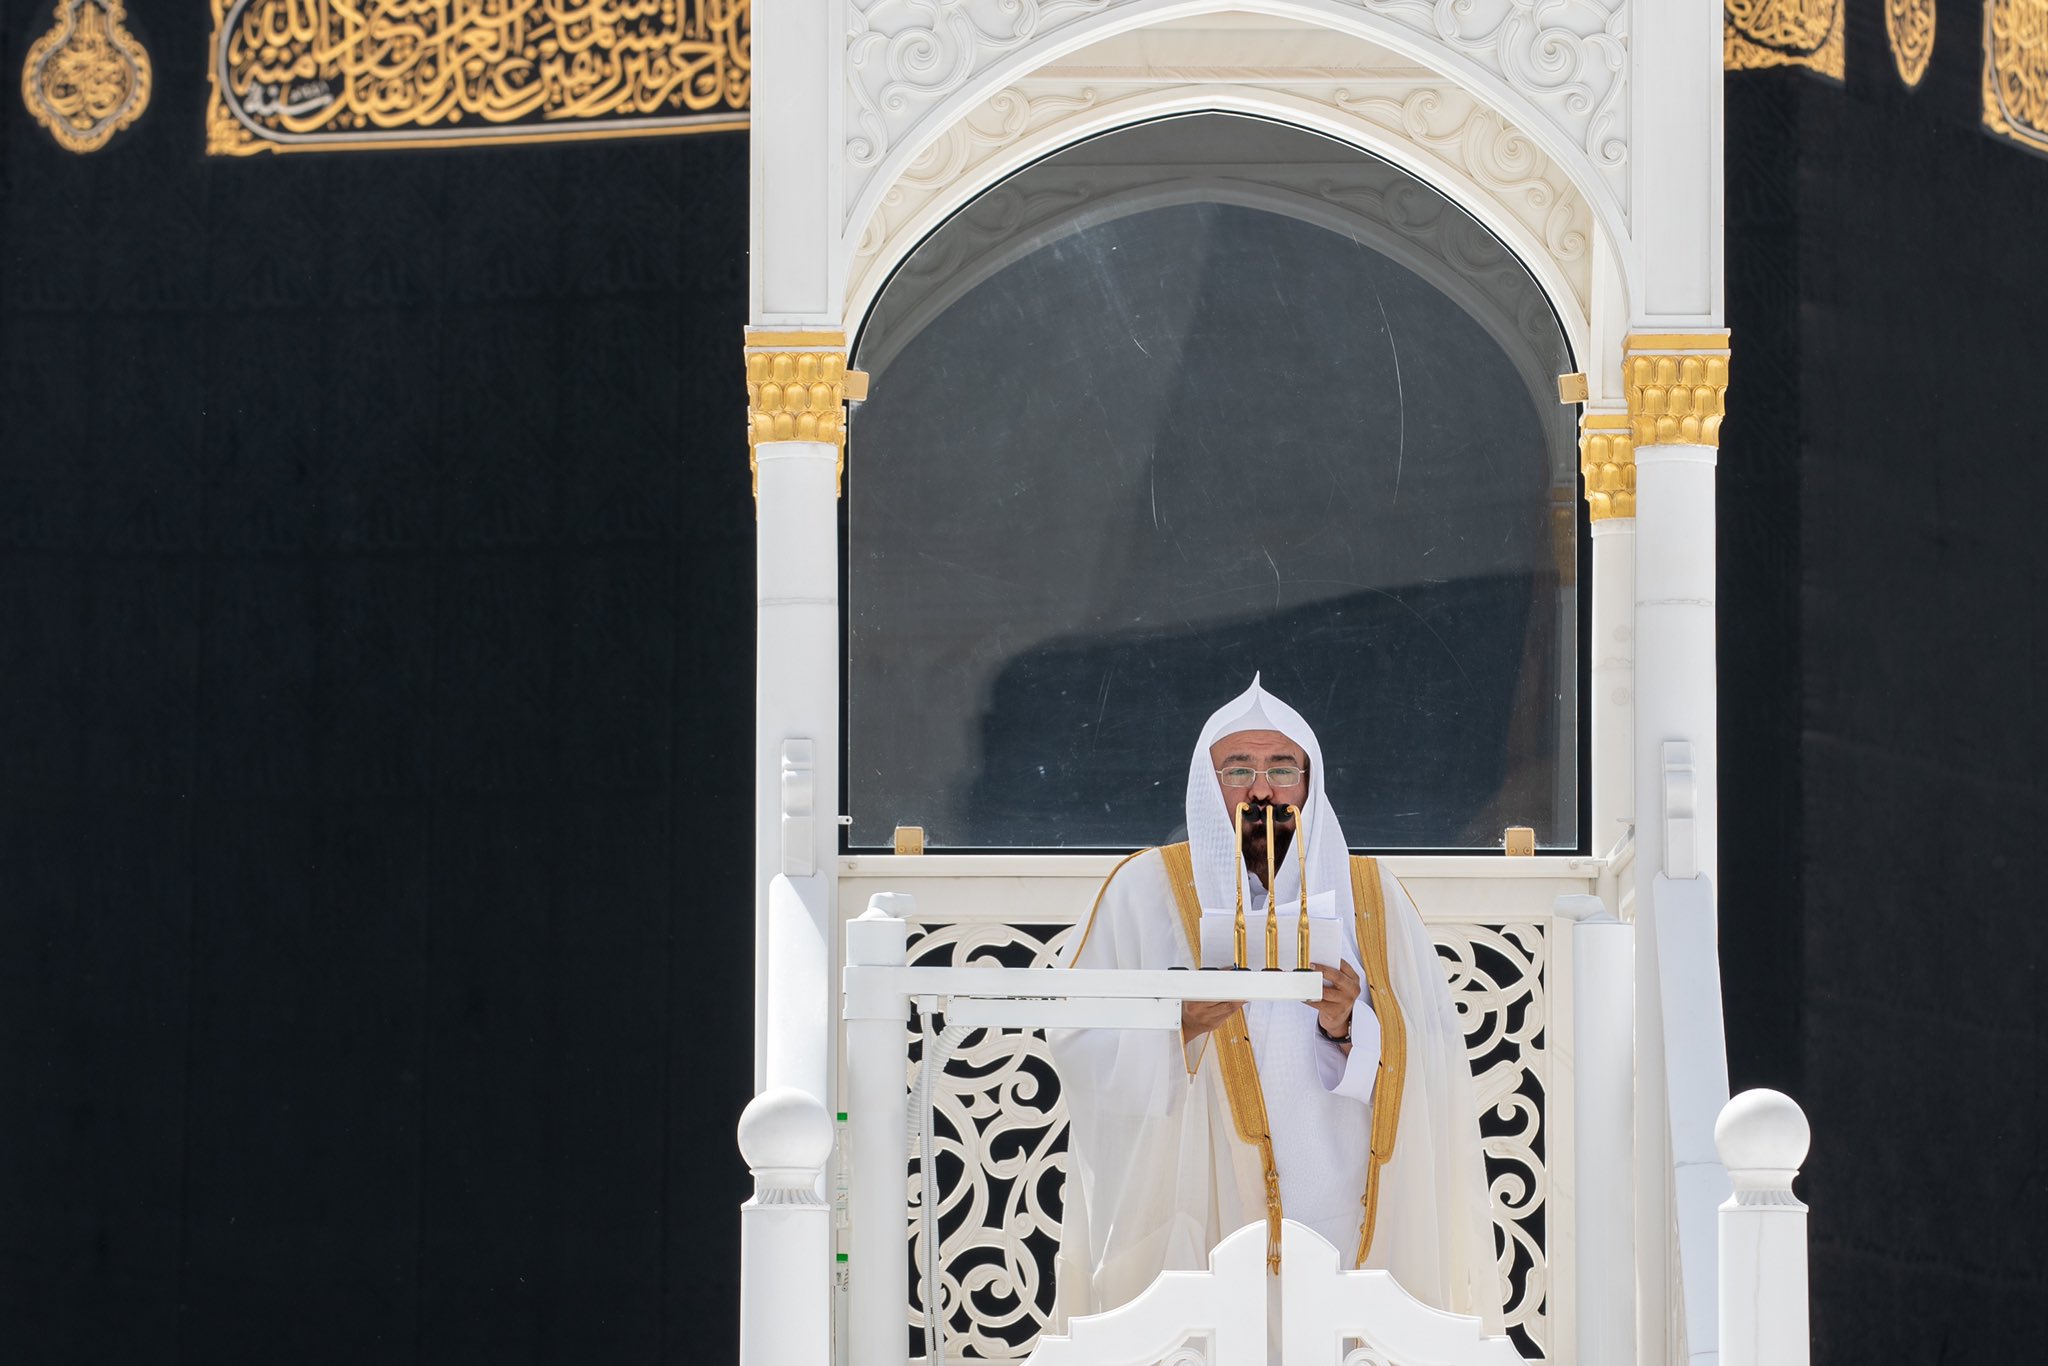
1234, 1056
1369, 908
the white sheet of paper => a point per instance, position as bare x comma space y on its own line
1325, 936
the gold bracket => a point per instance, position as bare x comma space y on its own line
910, 840
1519, 841
1573, 388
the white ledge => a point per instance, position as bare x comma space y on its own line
1097, 866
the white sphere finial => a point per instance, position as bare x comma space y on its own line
1762, 1131
785, 1137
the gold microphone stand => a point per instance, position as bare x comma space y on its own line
1301, 864
1238, 956
1272, 901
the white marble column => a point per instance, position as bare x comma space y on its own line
796, 395
1674, 386
796, 424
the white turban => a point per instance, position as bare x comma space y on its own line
1212, 831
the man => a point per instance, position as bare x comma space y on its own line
1354, 1114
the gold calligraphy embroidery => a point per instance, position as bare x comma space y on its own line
2016, 70
305, 75
1759, 33
87, 78
1909, 24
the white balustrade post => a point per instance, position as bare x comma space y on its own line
878, 1139
785, 1233
1602, 1062
1763, 1137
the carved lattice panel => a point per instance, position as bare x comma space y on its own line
1002, 1136
1001, 1186
1498, 979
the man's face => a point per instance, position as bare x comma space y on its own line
1261, 751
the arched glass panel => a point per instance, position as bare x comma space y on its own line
1192, 399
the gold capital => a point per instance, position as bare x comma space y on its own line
1607, 457
797, 387
1676, 388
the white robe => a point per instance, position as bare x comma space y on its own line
1157, 1174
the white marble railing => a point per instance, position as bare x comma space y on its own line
881, 983
1547, 1001
1001, 1118
1509, 959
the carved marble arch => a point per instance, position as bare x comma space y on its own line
1371, 203
1431, 129
1553, 70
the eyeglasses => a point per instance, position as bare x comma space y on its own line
1280, 775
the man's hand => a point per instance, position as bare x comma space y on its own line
1340, 993
1199, 1017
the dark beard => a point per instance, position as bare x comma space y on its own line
1253, 845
